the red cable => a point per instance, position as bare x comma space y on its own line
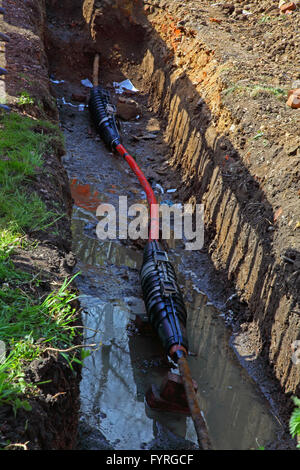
154, 209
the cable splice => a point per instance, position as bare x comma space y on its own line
103, 115
162, 296
163, 300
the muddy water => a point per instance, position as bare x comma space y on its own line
129, 357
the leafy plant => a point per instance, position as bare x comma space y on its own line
294, 423
25, 99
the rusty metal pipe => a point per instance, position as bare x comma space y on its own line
199, 423
96, 70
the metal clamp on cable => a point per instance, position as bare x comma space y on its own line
160, 256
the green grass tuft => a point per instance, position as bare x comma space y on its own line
23, 141
28, 324
24, 321
255, 91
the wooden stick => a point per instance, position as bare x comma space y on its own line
96, 70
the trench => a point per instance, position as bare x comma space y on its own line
116, 377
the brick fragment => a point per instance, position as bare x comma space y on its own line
287, 7
294, 98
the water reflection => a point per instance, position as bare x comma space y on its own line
93, 252
116, 377
235, 412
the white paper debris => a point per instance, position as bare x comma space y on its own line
68, 104
160, 188
57, 82
171, 190
80, 107
125, 85
87, 83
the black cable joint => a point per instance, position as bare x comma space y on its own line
103, 115
163, 299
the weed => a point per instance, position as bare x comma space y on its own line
25, 99
258, 135
264, 19
294, 423
233, 88
267, 90
255, 91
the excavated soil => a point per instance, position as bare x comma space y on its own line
217, 75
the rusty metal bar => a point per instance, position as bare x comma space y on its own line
199, 423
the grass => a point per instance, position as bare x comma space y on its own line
24, 321
28, 323
271, 19
265, 19
22, 145
267, 90
255, 91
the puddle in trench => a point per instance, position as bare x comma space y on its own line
116, 377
